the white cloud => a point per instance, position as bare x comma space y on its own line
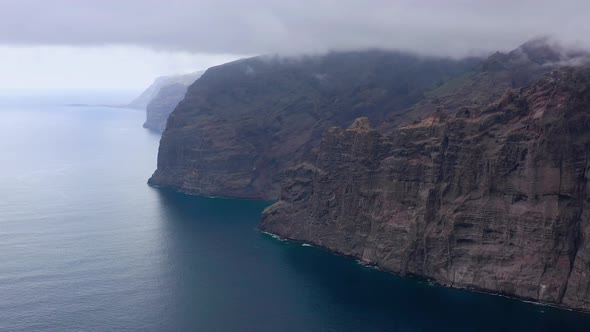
115, 43
452, 27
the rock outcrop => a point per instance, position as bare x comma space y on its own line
243, 123
491, 197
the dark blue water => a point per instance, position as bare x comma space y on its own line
86, 245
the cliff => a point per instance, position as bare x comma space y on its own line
163, 103
161, 97
243, 123
491, 197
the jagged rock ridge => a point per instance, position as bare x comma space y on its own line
493, 77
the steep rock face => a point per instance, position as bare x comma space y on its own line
243, 123
492, 198
158, 110
161, 97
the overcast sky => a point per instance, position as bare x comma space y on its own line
125, 43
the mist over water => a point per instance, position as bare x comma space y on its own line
85, 245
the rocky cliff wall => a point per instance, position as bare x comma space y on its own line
243, 123
492, 198
160, 107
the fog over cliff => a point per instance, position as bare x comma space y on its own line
97, 44
453, 27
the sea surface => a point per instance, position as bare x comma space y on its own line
87, 245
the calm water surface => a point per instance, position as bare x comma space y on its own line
86, 245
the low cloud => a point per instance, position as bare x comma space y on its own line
452, 27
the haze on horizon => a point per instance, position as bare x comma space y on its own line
125, 44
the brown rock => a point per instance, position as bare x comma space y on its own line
494, 199
243, 123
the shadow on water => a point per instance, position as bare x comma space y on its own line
224, 275
379, 299
217, 277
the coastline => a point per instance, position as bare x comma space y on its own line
420, 278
